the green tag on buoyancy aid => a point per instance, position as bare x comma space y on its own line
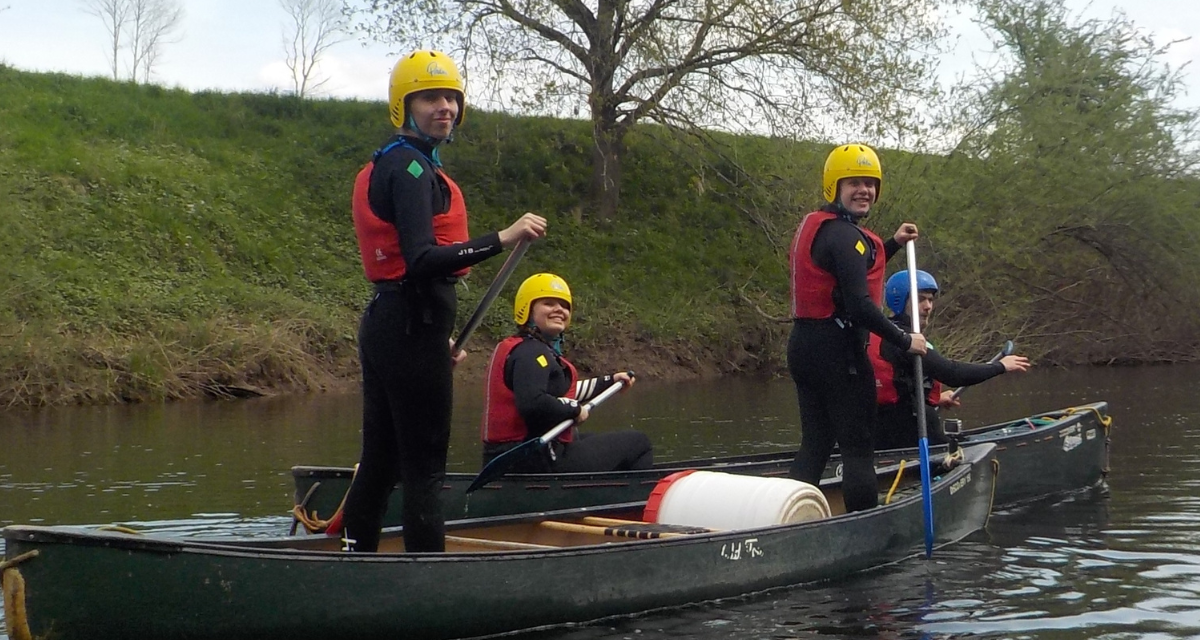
415, 169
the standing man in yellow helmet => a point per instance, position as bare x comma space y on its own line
531, 387
837, 293
411, 224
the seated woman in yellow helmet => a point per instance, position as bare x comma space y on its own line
531, 388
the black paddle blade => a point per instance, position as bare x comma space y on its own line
503, 462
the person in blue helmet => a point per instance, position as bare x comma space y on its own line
896, 426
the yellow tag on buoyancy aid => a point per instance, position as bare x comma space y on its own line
861, 248
542, 361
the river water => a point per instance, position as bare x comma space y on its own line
1120, 561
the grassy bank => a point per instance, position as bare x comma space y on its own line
165, 244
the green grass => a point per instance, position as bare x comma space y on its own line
164, 244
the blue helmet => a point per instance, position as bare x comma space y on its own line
895, 292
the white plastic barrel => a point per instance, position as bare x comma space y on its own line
727, 501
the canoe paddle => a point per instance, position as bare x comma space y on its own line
1006, 351
919, 392
490, 295
501, 463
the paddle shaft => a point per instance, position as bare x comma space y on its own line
919, 399
914, 304
489, 296
566, 424
1004, 351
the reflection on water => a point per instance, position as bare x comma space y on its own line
1121, 561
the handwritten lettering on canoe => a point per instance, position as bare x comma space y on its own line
747, 548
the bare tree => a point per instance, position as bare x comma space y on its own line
150, 24
750, 65
142, 26
316, 25
114, 14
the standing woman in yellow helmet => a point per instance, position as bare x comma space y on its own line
837, 294
411, 224
531, 387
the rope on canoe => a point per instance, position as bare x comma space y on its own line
951, 460
312, 522
16, 622
1105, 421
992, 493
895, 483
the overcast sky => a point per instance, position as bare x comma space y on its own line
236, 45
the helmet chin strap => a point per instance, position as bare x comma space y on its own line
845, 213
411, 125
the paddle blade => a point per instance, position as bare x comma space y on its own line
505, 461
1008, 349
926, 496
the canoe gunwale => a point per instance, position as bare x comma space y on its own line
277, 548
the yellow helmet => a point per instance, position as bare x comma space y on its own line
419, 71
850, 161
542, 285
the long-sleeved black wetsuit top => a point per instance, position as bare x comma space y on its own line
934, 366
897, 426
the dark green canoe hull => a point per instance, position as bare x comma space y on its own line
92, 585
1061, 452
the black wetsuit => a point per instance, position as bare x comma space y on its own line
403, 343
827, 359
897, 424
539, 392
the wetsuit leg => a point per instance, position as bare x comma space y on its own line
618, 451
407, 391
835, 387
424, 441
378, 466
817, 439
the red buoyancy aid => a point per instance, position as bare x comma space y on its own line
378, 240
812, 286
501, 420
885, 377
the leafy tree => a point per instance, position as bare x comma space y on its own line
742, 65
1072, 191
